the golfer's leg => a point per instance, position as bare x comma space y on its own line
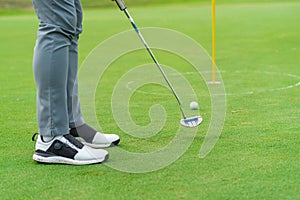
75, 116
74, 112
51, 63
50, 72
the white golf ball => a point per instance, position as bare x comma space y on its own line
194, 105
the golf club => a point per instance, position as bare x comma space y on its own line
187, 122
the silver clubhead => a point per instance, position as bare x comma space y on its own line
191, 122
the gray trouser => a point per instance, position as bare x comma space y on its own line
55, 65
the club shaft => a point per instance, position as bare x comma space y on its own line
155, 60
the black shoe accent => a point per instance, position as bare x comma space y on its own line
116, 142
33, 138
44, 153
59, 148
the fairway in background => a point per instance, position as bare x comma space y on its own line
26, 4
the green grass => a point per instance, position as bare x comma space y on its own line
257, 156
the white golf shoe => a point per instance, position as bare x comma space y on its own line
67, 150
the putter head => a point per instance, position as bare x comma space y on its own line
191, 122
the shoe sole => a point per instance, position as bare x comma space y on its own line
68, 161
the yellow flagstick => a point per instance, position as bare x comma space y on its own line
213, 48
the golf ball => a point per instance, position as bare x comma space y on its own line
194, 105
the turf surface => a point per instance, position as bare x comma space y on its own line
257, 156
